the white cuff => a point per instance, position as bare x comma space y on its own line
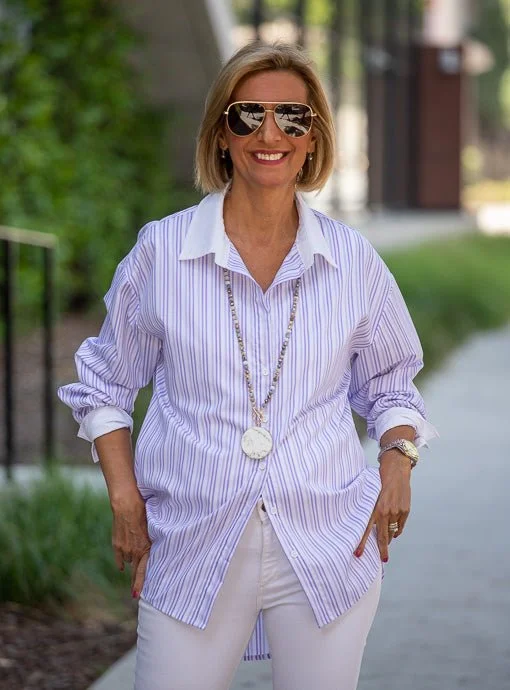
101, 421
403, 416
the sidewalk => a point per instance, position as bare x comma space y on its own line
444, 618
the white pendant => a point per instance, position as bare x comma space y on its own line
257, 442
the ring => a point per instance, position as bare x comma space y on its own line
393, 526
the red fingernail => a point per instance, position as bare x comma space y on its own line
385, 560
134, 594
357, 553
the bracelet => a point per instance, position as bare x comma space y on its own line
405, 447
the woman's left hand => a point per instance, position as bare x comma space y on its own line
393, 504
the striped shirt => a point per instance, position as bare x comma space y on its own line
353, 346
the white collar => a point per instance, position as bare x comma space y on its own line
206, 233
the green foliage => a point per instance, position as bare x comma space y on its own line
80, 155
453, 289
55, 541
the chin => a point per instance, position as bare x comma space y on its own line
272, 182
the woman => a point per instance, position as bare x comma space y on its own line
249, 516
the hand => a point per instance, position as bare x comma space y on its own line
393, 504
130, 539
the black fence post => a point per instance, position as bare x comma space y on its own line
9, 237
258, 16
8, 326
48, 311
301, 22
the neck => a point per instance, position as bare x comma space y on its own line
260, 217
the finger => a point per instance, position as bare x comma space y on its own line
361, 547
383, 538
138, 575
401, 524
119, 559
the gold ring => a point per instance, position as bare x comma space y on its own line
393, 526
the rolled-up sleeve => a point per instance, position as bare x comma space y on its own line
382, 389
113, 366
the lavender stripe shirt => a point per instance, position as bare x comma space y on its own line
353, 345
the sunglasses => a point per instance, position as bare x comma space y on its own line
246, 117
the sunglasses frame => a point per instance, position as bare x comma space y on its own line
269, 110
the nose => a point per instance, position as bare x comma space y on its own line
269, 130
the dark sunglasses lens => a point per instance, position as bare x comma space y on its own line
294, 119
245, 118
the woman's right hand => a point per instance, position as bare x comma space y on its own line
130, 538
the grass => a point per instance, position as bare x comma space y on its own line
55, 541
453, 289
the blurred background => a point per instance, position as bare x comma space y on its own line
100, 102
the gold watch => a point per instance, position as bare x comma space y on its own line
405, 447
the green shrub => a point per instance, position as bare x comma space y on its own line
454, 288
81, 155
55, 541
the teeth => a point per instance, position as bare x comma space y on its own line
269, 156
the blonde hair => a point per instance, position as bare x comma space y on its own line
212, 172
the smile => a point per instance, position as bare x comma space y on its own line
269, 156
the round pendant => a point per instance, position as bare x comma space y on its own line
256, 442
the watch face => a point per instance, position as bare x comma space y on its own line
410, 450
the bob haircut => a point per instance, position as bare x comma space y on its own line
212, 172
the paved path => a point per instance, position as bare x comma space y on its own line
444, 618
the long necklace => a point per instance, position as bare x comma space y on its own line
257, 442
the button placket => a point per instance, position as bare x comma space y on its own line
265, 360
257, 351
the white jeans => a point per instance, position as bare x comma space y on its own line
172, 655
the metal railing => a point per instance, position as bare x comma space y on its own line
47, 242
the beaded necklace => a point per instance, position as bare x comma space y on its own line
257, 442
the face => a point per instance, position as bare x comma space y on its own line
268, 157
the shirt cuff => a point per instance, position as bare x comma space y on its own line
101, 421
403, 416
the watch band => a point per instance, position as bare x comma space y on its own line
406, 447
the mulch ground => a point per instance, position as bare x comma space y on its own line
47, 652
38, 649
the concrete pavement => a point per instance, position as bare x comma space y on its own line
444, 618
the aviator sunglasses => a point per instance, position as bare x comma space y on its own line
246, 117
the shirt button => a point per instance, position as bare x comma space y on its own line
265, 371
262, 466
274, 510
294, 554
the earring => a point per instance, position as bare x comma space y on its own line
310, 156
223, 153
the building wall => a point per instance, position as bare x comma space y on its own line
185, 43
